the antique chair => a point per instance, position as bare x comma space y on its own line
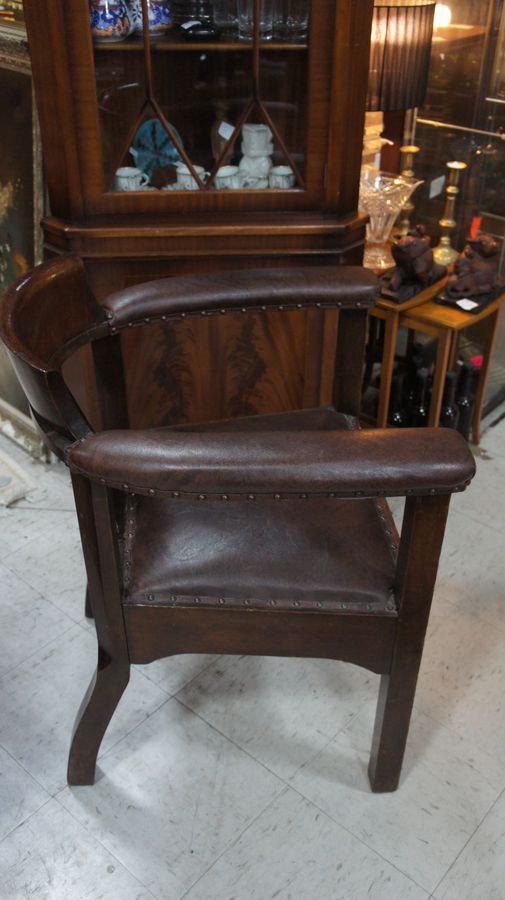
265, 535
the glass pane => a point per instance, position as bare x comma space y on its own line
198, 103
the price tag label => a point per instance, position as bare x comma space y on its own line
225, 130
437, 186
466, 304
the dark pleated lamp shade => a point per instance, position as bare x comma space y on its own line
399, 54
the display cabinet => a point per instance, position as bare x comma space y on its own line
187, 110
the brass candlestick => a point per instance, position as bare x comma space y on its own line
407, 170
444, 252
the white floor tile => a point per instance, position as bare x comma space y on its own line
51, 857
20, 795
54, 488
294, 852
462, 678
479, 872
472, 570
484, 500
27, 620
282, 711
51, 561
446, 789
41, 697
173, 796
174, 672
22, 527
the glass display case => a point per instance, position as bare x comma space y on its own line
463, 116
202, 135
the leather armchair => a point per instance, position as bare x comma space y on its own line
260, 535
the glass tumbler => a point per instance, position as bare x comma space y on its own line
225, 16
245, 9
291, 20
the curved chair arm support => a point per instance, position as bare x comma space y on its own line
223, 292
277, 464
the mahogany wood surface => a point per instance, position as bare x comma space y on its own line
128, 237
376, 611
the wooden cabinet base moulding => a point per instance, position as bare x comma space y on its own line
207, 237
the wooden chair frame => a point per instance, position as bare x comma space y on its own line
50, 313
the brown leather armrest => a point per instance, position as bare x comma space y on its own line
273, 464
327, 286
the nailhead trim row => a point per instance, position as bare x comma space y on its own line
282, 307
129, 538
166, 599
285, 495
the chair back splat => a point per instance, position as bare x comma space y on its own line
267, 534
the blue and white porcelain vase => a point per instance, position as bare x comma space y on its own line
160, 16
110, 20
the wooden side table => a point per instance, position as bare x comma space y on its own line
391, 313
445, 324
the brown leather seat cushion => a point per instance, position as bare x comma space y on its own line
306, 554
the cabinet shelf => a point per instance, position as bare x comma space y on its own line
175, 42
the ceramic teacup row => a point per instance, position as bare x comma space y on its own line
129, 178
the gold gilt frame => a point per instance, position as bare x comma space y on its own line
14, 57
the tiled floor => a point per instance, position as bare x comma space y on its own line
235, 778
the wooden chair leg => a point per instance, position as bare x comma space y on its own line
421, 542
96, 710
95, 513
88, 612
392, 720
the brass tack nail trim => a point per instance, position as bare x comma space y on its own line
251, 497
202, 496
176, 494
151, 491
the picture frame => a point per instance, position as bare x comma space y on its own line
21, 206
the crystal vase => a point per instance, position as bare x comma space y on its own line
382, 197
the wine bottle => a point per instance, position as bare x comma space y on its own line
449, 414
397, 415
419, 411
415, 363
464, 400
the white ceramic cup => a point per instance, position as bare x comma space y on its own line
281, 177
128, 178
227, 177
256, 140
185, 179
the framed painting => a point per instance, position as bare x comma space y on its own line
21, 202
11, 13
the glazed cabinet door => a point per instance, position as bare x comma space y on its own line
205, 106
